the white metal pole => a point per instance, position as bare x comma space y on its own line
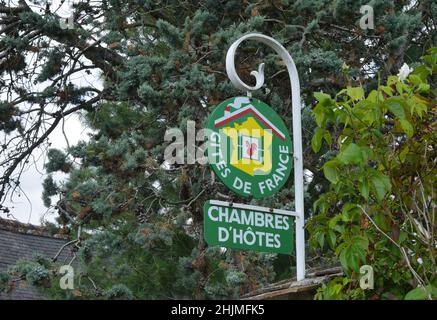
297, 130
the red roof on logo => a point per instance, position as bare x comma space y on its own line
246, 110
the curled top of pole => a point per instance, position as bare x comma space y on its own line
259, 75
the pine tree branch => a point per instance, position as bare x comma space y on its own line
103, 58
5, 179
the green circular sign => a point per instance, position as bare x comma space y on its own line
249, 147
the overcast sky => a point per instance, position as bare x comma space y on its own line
28, 206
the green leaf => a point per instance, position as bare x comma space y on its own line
414, 79
402, 237
419, 293
381, 221
400, 87
328, 138
423, 72
418, 105
316, 141
350, 212
334, 220
374, 96
321, 239
332, 239
403, 154
353, 252
424, 88
323, 98
362, 242
320, 115
407, 127
364, 188
331, 171
382, 185
321, 204
356, 93
344, 259
396, 106
392, 80
351, 255
351, 154
387, 90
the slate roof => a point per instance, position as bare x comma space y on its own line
22, 241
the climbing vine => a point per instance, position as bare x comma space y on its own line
380, 208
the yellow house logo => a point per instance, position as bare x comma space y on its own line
251, 140
250, 147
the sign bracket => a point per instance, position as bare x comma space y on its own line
296, 125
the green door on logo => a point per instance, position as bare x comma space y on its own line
249, 147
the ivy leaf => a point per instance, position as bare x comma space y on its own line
364, 188
392, 80
321, 239
422, 71
328, 138
321, 204
332, 239
334, 220
415, 79
419, 293
387, 90
323, 98
347, 259
424, 87
320, 114
351, 154
396, 106
418, 105
407, 127
382, 185
331, 171
403, 154
356, 93
350, 212
316, 141
353, 252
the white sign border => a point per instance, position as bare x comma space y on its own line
253, 208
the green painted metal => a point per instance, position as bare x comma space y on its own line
249, 147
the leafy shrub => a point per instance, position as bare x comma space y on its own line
380, 208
